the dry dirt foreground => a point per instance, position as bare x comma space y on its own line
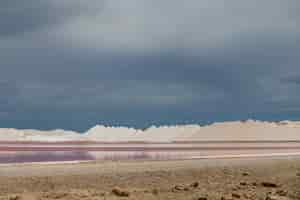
272, 178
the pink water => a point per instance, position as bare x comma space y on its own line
23, 152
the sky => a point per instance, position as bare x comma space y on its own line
72, 64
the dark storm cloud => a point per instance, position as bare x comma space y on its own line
8, 89
8, 97
136, 63
21, 17
292, 79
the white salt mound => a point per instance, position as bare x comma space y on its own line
226, 131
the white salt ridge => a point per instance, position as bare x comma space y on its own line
226, 131
37, 135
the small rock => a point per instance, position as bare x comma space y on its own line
102, 194
83, 195
195, 184
121, 193
245, 174
273, 197
59, 195
243, 183
269, 184
235, 195
236, 188
298, 174
282, 192
155, 191
186, 189
202, 198
14, 197
254, 184
177, 188
55, 195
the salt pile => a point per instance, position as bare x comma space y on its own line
226, 131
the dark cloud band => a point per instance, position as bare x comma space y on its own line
70, 64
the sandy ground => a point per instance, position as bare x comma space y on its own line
263, 178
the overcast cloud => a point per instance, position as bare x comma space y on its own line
74, 63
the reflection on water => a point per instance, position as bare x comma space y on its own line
59, 156
23, 157
21, 152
